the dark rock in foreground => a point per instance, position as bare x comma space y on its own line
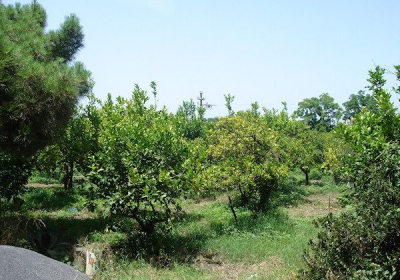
22, 264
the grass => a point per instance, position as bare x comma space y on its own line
51, 199
205, 242
43, 178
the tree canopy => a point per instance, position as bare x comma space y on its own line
39, 83
357, 102
140, 167
320, 113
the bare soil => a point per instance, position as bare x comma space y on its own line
316, 205
227, 271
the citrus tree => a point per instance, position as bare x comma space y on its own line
304, 147
247, 158
141, 166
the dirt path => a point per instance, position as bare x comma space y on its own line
316, 205
223, 271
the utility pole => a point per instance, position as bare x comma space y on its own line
206, 105
201, 99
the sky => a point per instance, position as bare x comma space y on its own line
257, 50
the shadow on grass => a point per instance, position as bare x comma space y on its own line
32, 233
289, 193
20, 230
73, 230
248, 222
162, 249
49, 199
183, 246
166, 245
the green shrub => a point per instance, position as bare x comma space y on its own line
316, 174
14, 174
364, 243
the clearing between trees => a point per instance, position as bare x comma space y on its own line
205, 242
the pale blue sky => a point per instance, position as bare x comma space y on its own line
266, 51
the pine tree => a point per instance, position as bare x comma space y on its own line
39, 83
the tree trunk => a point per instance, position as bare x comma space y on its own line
265, 192
244, 200
70, 175
66, 176
232, 209
265, 189
307, 180
306, 171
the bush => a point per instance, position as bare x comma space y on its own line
316, 174
365, 243
14, 174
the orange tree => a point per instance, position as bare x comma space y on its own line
247, 157
141, 166
303, 146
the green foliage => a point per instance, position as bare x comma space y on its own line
140, 168
67, 40
229, 100
333, 154
316, 174
305, 148
201, 168
364, 243
308, 151
281, 121
153, 86
321, 113
190, 121
247, 157
14, 174
356, 103
254, 109
39, 86
76, 147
